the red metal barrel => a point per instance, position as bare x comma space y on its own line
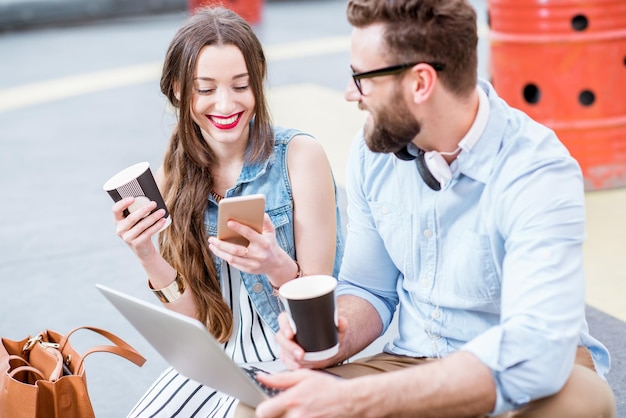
251, 10
564, 63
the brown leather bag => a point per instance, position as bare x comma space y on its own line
44, 377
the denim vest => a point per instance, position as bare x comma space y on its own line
269, 177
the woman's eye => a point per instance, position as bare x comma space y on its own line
241, 88
205, 90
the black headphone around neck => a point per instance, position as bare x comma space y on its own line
432, 166
434, 173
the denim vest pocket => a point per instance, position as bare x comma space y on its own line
281, 219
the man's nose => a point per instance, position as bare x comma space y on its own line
351, 93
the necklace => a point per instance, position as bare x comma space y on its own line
216, 196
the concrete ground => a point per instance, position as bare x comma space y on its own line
79, 102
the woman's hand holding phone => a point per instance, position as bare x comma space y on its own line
247, 210
246, 239
262, 255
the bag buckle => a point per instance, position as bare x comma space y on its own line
31, 342
38, 339
47, 344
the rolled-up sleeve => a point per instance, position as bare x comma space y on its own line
523, 370
531, 352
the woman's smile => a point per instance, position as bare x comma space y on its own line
225, 122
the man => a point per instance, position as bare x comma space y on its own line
469, 217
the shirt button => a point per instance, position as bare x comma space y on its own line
384, 210
257, 287
436, 314
425, 283
428, 233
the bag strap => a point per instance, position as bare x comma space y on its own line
121, 347
15, 357
26, 369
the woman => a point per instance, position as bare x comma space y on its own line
224, 145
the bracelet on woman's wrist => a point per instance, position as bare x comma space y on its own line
172, 292
299, 273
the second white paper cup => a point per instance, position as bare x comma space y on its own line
310, 304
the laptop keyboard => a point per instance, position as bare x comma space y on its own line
252, 372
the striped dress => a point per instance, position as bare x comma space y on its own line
252, 341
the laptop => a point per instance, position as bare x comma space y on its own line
189, 347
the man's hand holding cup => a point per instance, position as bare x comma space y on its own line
310, 331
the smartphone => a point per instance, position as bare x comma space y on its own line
247, 210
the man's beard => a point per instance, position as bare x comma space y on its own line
391, 130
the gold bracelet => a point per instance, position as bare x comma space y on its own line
299, 274
172, 292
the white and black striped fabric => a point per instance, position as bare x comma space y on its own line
252, 341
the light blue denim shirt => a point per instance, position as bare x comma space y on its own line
491, 264
269, 177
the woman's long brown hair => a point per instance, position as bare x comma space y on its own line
188, 159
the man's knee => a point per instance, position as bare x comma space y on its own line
584, 395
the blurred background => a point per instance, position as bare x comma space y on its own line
80, 100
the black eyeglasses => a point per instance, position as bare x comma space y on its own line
394, 69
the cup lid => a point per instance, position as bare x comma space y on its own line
308, 287
126, 175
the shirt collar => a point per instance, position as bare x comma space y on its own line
484, 136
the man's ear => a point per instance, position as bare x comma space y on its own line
424, 78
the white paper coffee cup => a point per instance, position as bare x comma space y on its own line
310, 304
137, 181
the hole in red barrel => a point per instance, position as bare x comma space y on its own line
580, 22
531, 93
586, 97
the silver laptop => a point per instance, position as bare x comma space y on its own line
187, 345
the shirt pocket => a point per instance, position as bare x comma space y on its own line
394, 227
468, 277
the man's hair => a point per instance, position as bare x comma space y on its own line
441, 31
188, 158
